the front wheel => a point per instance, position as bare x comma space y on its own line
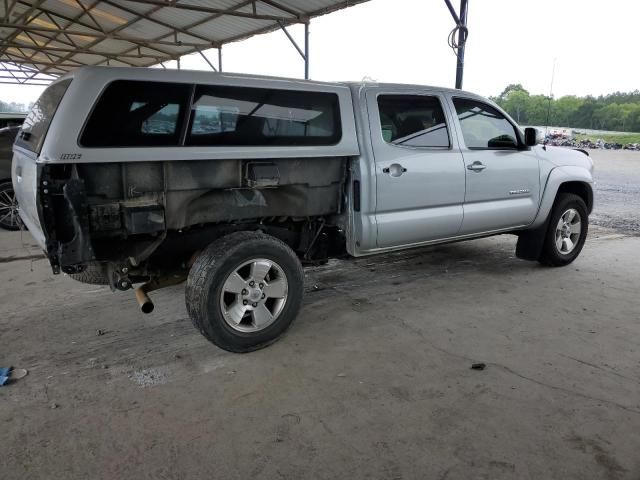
567, 231
244, 291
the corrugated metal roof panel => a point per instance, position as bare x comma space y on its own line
54, 36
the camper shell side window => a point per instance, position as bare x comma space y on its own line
146, 114
137, 114
242, 116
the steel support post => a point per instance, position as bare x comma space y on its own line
304, 54
462, 40
207, 60
462, 32
306, 51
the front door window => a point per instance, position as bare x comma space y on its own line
484, 127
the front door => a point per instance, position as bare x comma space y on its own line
503, 180
420, 179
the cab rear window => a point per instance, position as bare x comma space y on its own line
35, 126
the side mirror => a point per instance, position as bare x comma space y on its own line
530, 136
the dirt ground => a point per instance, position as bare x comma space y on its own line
372, 381
617, 190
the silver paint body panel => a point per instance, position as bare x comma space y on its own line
423, 203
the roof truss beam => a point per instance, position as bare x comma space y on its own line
42, 36
147, 16
103, 36
204, 20
162, 52
23, 60
87, 51
27, 73
21, 18
216, 11
9, 5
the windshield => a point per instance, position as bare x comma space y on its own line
35, 126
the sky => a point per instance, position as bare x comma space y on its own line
594, 45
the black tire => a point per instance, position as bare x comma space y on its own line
9, 218
551, 255
204, 290
94, 274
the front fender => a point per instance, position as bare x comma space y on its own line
557, 176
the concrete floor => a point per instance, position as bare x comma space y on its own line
372, 381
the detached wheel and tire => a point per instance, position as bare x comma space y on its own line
567, 232
244, 291
9, 218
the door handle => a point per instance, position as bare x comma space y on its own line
395, 170
476, 166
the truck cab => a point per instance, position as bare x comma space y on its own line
446, 164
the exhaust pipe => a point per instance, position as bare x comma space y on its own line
146, 305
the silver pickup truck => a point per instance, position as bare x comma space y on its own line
233, 182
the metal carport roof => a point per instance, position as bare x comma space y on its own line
41, 39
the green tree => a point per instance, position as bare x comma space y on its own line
538, 110
584, 115
616, 111
633, 121
516, 104
566, 109
514, 87
609, 117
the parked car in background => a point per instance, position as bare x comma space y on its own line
11, 119
233, 182
9, 128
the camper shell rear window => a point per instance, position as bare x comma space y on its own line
35, 126
145, 114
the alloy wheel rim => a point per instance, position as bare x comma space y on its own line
8, 208
253, 295
568, 231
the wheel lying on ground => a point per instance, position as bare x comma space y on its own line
9, 218
94, 274
244, 291
567, 231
